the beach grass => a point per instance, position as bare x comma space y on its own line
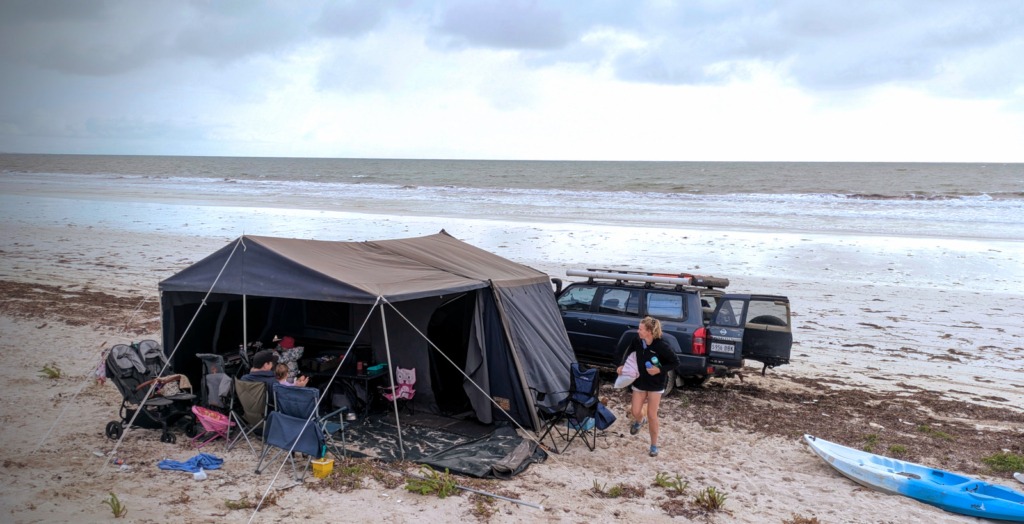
1004, 462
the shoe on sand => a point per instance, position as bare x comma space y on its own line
635, 428
654, 451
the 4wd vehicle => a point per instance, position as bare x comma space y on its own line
711, 332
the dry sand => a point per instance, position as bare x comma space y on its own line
870, 360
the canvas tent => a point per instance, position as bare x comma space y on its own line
485, 317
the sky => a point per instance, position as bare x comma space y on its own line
701, 80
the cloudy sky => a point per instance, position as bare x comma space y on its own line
829, 80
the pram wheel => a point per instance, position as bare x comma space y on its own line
168, 438
114, 430
191, 429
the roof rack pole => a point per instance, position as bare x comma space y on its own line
619, 277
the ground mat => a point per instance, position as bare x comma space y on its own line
461, 446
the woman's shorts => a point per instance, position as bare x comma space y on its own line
662, 392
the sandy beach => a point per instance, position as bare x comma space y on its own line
892, 335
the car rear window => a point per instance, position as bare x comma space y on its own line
729, 313
768, 312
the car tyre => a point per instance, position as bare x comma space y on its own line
695, 382
670, 383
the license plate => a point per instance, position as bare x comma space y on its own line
723, 348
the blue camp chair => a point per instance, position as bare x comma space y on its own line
576, 414
295, 426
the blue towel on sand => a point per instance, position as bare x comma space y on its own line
194, 464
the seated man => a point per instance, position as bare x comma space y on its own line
263, 363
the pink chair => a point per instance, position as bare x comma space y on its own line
215, 425
405, 388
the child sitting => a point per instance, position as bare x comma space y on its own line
281, 373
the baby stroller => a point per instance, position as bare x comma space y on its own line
153, 357
127, 370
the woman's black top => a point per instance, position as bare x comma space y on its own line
666, 357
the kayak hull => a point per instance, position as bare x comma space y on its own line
950, 491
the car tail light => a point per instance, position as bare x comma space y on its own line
699, 346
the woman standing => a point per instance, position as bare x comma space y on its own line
655, 358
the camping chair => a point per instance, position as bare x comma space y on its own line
243, 353
215, 425
216, 385
303, 401
253, 402
295, 422
404, 389
577, 412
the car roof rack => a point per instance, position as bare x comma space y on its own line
676, 279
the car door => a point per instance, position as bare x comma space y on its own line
755, 327
615, 315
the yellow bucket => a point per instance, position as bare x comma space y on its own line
323, 467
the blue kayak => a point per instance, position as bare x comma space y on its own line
949, 491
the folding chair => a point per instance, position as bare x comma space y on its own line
295, 422
243, 353
303, 401
404, 390
214, 423
216, 384
253, 402
577, 412
288, 433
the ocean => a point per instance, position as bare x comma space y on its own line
975, 201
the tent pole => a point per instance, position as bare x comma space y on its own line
391, 378
245, 323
